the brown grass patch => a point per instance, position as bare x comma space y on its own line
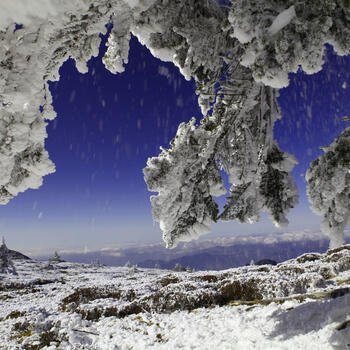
237, 290
308, 257
15, 314
291, 270
339, 249
85, 295
165, 281
207, 278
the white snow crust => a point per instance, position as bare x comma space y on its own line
301, 304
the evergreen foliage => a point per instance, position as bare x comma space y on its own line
55, 258
178, 268
329, 188
238, 52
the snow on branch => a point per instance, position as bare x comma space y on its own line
30, 56
186, 177
281, 20
238, 55
329, 188
279, 40
258, 170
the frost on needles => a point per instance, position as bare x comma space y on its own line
238, 52
329, 188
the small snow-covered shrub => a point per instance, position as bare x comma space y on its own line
45, 339
178, 268
168, 280
169, 300
343, 264
207, 278
308, 257
93, 314
96, 312
327, 272
291, 270
338, 249
12, 286
238, 290
15, 314
85, 295
19, 327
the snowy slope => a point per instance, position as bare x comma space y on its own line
299, 304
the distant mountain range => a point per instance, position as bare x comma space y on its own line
224, 257
205, 255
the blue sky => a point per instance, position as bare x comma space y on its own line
106, 128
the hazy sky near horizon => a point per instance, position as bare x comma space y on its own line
106, 128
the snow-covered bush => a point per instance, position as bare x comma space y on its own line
239, 54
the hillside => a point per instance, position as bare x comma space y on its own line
15, 255
302, 303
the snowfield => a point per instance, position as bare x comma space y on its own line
299, 304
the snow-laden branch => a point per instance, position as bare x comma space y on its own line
279, 38
31, 55
231, 52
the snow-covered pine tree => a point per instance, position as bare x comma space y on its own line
128, 264
231, 48
6, 263
96, 263
56, 258
178, 268
329, 188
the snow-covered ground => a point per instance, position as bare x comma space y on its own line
299, 304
